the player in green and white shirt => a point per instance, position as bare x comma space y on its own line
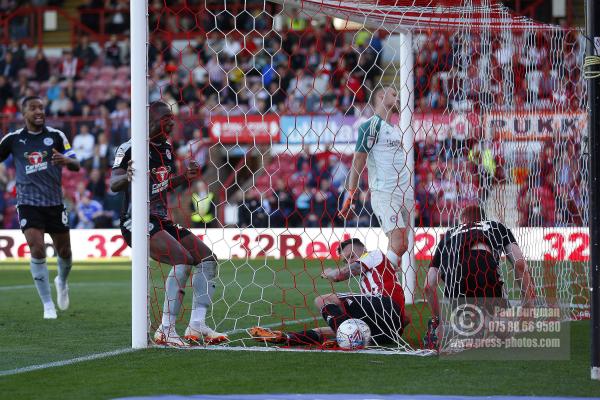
380, 146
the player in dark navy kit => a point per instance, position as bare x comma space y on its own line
39, 154
169, 242
467, 260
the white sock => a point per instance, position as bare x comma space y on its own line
64, 267
41, 278
174, 291
198, 316
203, 283
394, 259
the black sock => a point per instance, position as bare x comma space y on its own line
303, 338
334, 315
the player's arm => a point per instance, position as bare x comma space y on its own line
70, 162
64, 155
343, 273
431, 292
120, 178
122, 170
517, 260
192, 172
433, 279
359, 160
5, 147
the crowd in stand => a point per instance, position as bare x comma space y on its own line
314, 69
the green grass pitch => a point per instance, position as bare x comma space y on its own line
99, 321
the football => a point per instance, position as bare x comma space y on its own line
353, 334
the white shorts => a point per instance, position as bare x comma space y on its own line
392, 211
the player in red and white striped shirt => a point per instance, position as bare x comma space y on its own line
380, 303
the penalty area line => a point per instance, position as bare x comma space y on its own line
62, 363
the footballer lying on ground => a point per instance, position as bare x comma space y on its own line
380, 303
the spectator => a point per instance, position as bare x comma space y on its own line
69, 88
282, 205
10, 108
112, 99
338, 171
62, 106
97, 185
54, 89
85, 52
202, 207
118, 18
6, 90
9, 66
252, 213
303, 203
325, 204
536, 206
88, 14
71, 66
79, 102
83, 145
101, 153
87, 211
120, 123
112, 52
42, 67
22, 88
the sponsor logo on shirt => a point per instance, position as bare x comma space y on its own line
162, 177
36, 161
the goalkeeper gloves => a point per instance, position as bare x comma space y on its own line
347, 204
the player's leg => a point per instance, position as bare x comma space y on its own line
204, 273
33, 226
333, 309
166, 249
393, 216
57, 225
397, 246
383, 316
309, 337
39, 269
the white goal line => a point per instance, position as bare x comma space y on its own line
97, 356
76, 284
62, 363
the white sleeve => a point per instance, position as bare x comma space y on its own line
371, 259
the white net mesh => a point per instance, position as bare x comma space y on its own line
269, 99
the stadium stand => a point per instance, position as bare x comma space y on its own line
316, 70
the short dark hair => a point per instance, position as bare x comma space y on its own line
472, 213
158, 105
346, 242
28, 99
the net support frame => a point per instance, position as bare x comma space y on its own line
139, 184
593, 32
407, 105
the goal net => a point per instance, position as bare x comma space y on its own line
268, 99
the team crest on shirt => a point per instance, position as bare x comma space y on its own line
394, 219
162, 177
23, 222
48, 141
168, 153
36, 161
371, 139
